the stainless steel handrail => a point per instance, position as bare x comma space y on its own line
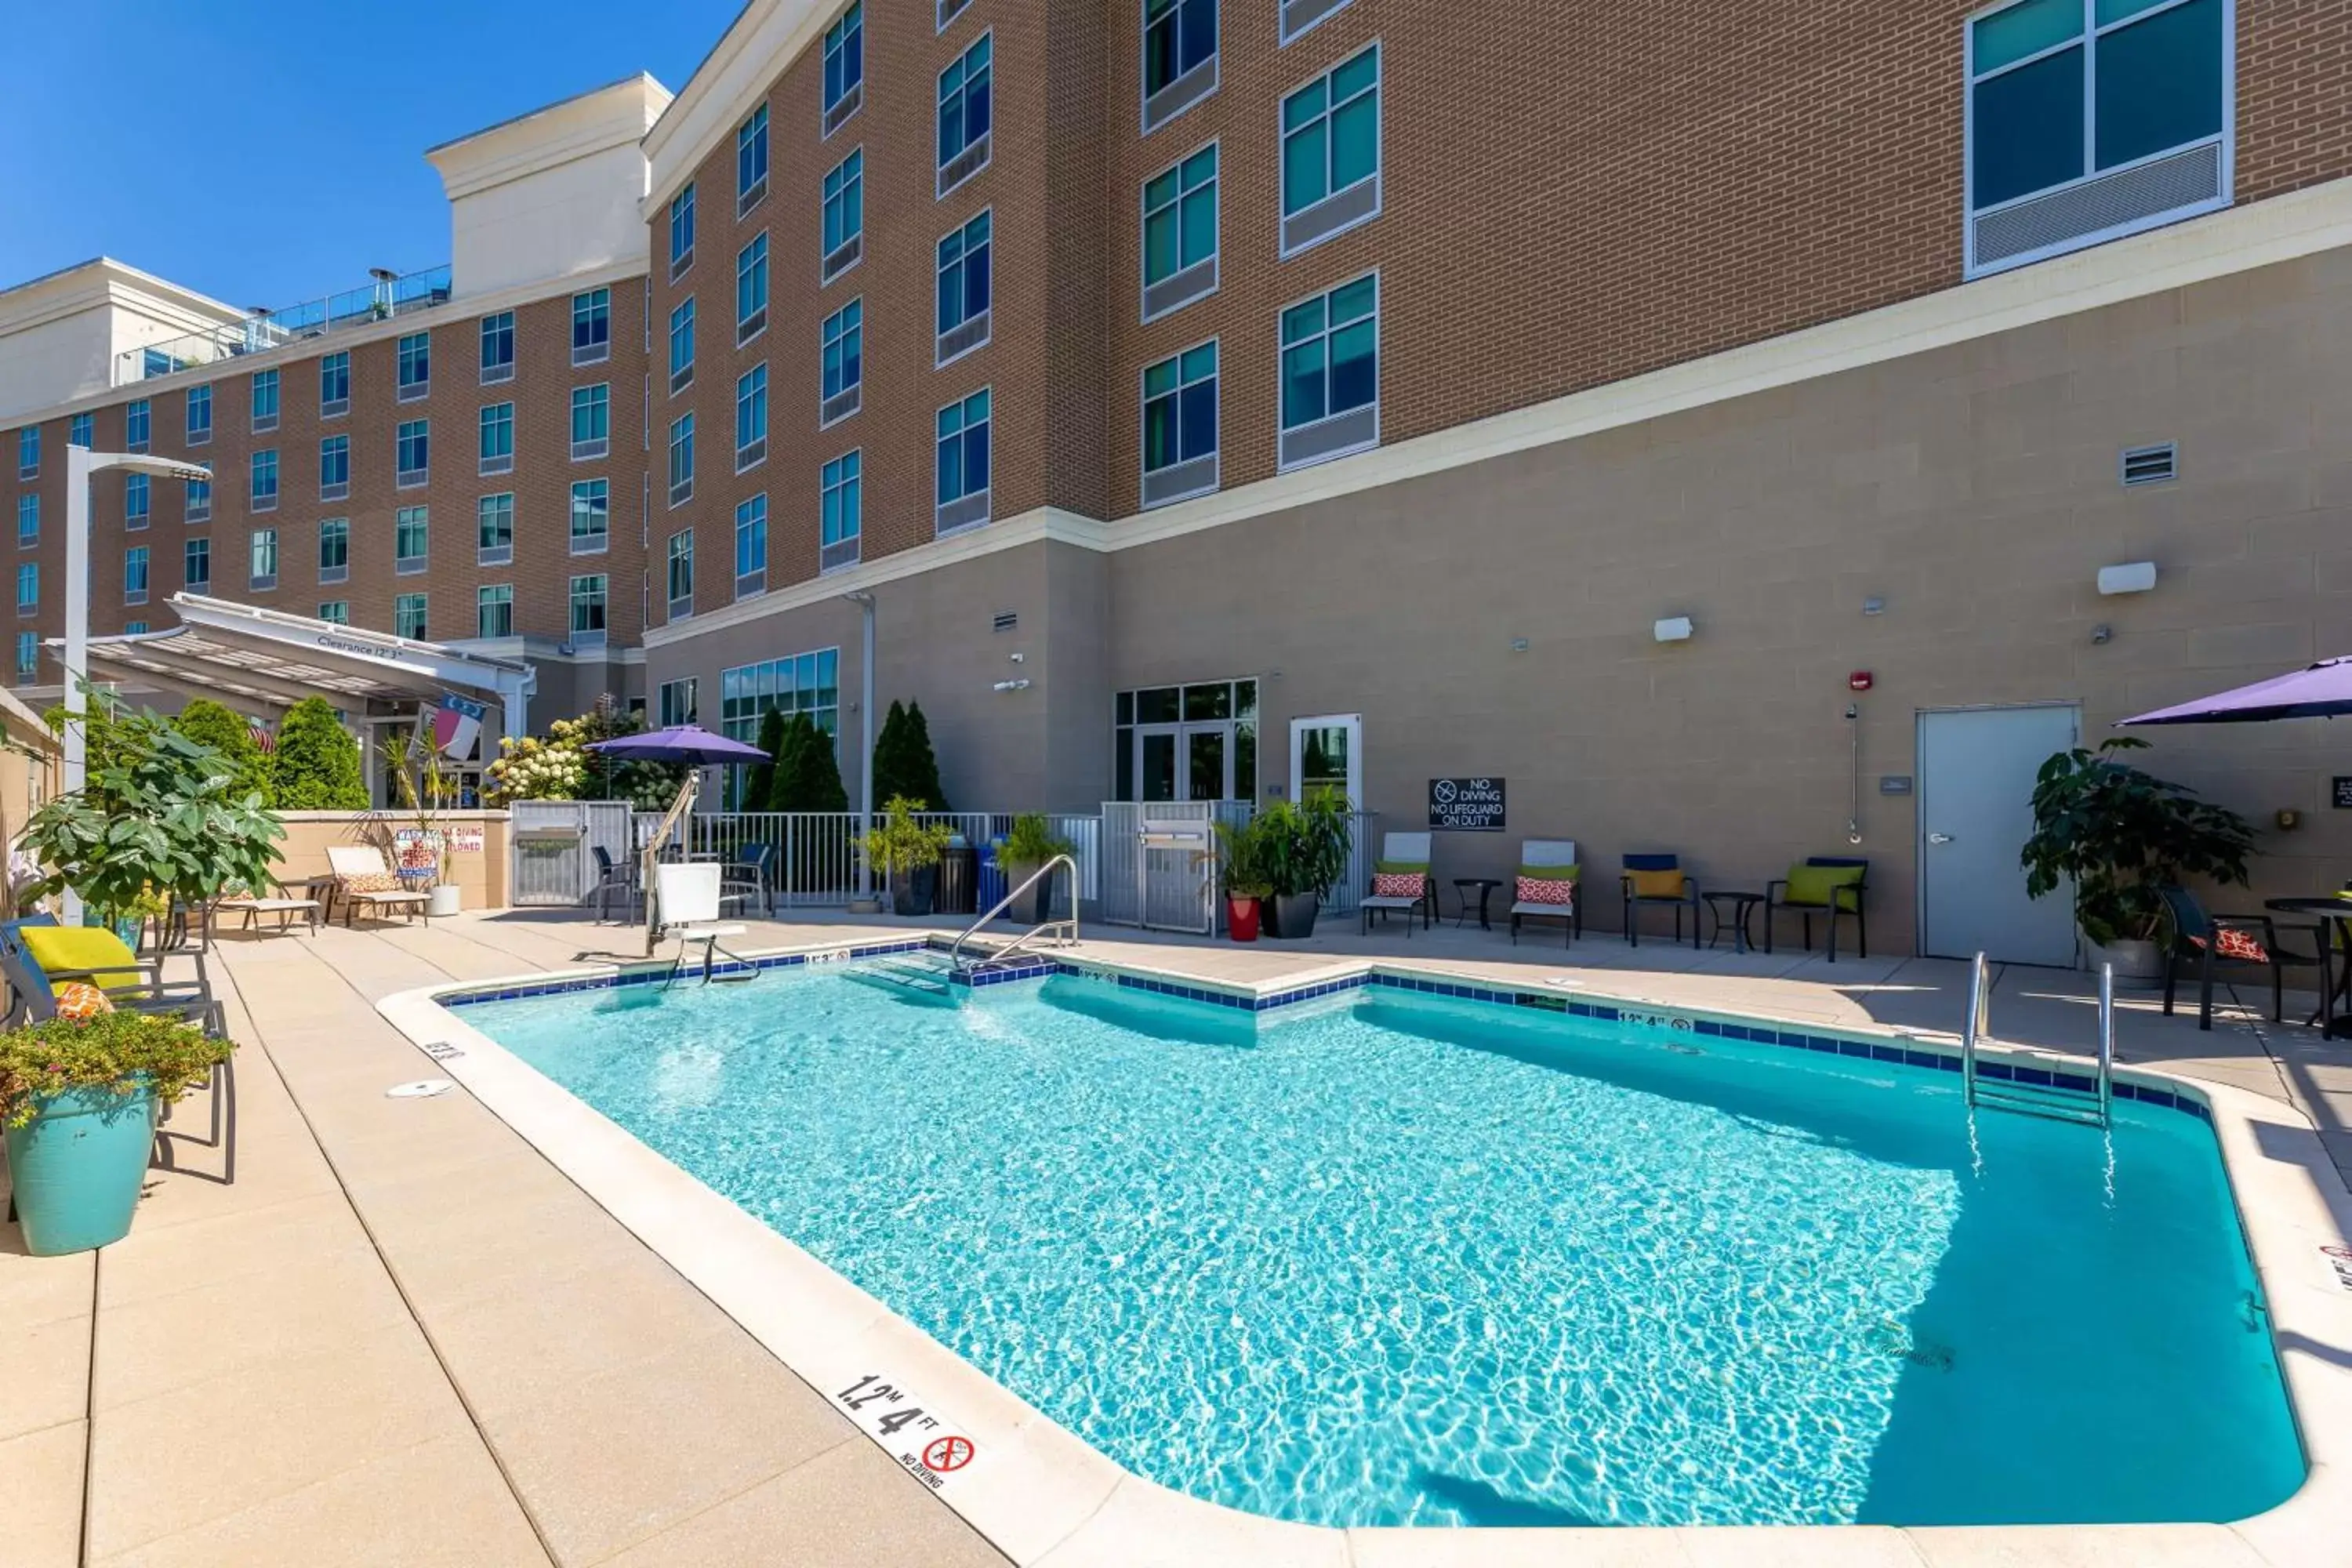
2107, 1043
2034, 1099
1979, 1004
956, 948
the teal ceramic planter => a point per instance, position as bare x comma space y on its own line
76, 1168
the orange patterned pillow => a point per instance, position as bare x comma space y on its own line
1397, 884
2235, 944
1544, 890
372, 882
79, 1001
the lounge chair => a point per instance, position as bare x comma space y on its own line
1544, 861
281, 901
750, 876
1833, 885
1404, 863
2208, 940
362, 880
1657, 879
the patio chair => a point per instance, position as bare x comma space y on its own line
1657, 879
363, 881
614, 877
1548, 869
1401, 882
281, 901
1831, 885
751, 875
2209, 939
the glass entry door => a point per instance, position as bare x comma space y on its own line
1183, 761
1327, 756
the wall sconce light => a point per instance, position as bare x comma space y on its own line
2133, 577
1518, 644
1010, 686
2289, 820
2102, 634
1873, 606
1677, 629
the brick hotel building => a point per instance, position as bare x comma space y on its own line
1747, 430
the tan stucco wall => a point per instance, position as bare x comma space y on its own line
480, 876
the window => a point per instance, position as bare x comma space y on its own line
1180, 234
681, 231
334, 550
592, 327
408, 616
1331, 153
751, 547
196, 565
751, 160
592, 421
1330, 374
681, 574
199, 505
265, 558
334, 467
963, 324
681, 458
1216, 757
845, 67
416, 446
134, 574
843, 338
494, 610
497, 438
28, 586
1297, 17
806, 683
497, 348
844, 216
28, 452
681, 346
752, 289
946, 11
494, 529
265, 400
2092, 119
1179, 426
751, 418
134, 426
1179, 57
588, 611
262, 469
336, 612
410, 526
415, 366
134, 501
677, 704
334, 386
591, 516
841, 507
200, 416
28, 655
28, 520
964, 117
78, 430
962, 463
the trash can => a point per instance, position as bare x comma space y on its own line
958, 879
991, 876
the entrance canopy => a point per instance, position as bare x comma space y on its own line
265, 661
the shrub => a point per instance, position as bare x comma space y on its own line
1031, 841
208, 723
807, 777
130, 1052
2121, 834
903, 760
760, 778
316, 766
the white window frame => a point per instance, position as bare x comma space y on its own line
678, 607
28, 572
200, 437
1144, 210
140, 409
339, 571
748, 327
682, 317
1379, 304
1178, 95
333, 489
593, 637
942, 185
750, 454
962, 336
682, 206
941, 529
263, 424
840, 555
834, 407
197, 502
832, 264
404, 565
28, 506
335, 612
483, 601
1216, 455
487, 508
257, 579
401, 604
748, 197
490, 463
588, 448
1377, 179
594, 352
749, 584
28, 440
254, 466
189, 551
142, 489
136, 555
601, 540
407, 479
412, 391
490, 332
837, 112
1296, 19
335, 407
681, 434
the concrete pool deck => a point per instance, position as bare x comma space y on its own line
404, 1336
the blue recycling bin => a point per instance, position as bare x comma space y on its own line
991, 876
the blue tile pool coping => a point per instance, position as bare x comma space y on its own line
1891, 1052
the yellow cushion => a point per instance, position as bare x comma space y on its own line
60, 948
1657, 884
1815, 885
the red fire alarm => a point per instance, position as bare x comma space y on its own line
1858, 681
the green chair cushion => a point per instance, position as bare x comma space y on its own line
1816, 885
1552, 873
1400, 867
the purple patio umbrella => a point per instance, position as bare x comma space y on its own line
687, 743
2321, 690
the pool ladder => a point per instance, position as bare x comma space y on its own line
1064, 933
2057, 1099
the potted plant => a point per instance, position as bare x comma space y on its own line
79, 1101
1022, 853
1240, 857
2121, 836
902, 845
1305, 850
420, 852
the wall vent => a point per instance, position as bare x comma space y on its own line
1005, 622
2150, 465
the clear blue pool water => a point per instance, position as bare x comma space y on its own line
1395, 1260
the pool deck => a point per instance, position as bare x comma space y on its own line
402, 1336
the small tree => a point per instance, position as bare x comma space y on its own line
316, 766
807, 776
760, 778
890, 752
922, 767
208, 723
903, 762
2123, 834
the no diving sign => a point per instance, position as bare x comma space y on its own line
919, 1439
1466, 806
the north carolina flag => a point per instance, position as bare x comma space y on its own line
458, 727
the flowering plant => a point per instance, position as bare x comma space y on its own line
133, 1053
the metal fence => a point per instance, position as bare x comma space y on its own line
1166, 887
817, 855
554, 848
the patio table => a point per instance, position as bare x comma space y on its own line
2334, 924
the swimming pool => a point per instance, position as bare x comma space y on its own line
1391, 1258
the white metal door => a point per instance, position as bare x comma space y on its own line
1326, 753
1976, 767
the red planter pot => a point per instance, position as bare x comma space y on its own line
1241, 919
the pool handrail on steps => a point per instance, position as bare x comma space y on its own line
1069, 928
2034, 1099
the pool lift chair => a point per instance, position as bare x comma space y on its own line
687, 894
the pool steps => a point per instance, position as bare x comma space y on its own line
2059, 1099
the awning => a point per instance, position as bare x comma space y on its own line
265, 660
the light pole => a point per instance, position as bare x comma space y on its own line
865, 602
80, 464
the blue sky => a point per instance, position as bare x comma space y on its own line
264, 152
